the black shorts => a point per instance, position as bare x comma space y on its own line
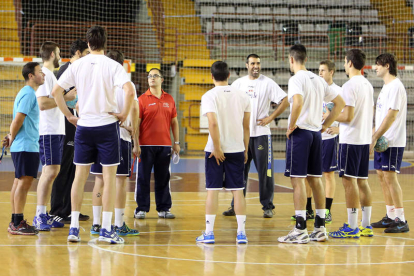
25, 163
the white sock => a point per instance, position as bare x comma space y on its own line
210, 223
119, 217
390, 211
301, 213
321, 213
40, 209
97, 212
74, 219
241, 223
353, 217
106, 220
366, 216
399, 213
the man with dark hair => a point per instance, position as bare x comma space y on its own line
52, 136
306, 95
228, 113
23, 141
262, 91
123, 170
97, 133
355, 137
153, 147
60, 206
390, 122
96, 37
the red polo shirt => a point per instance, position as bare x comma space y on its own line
156, 115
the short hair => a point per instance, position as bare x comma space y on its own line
389, 59
47, 49
96, 37
78, 45
29, 68
298, 52
159, 70
329, 63
220, 71
116, 55
357, 57
251, 56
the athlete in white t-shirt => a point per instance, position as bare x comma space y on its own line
306, 94
355, 134
95, 77
228, 112
390, 122
330, 140
124, 168
52, 135
262, 92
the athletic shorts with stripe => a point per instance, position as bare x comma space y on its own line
353, 160
330, 154
124, 168
389, 160
51, 149
304, 154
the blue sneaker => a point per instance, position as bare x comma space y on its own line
55, 221
41, 223
346, 232
110, 237
241, 238
206, 238
126, 231
74, 235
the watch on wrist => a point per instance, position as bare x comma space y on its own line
177, 143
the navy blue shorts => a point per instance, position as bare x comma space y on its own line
330, 154
229, 175
97, 143
353, 160
51, 149
389, 160
304, 154
25, 163
124, 168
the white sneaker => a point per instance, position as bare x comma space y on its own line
319, 234
140, 215
295, 236
166, 215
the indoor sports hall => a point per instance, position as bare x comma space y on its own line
182, 39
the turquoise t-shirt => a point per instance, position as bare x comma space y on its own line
27, 139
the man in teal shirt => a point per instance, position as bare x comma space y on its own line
24, 146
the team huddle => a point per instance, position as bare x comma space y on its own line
329, 129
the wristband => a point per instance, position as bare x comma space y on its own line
177, 143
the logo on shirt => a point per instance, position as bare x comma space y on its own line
250, 92
165, 105
152, 104
226, 91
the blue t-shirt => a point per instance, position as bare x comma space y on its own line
27, 139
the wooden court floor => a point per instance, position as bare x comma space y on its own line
167, 247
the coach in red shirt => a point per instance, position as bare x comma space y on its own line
157, 115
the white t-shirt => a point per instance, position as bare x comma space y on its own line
51, 121
393, 96
229, 104
314, 91
326, 136
120, 97
261, 91
358, 93
95, 77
